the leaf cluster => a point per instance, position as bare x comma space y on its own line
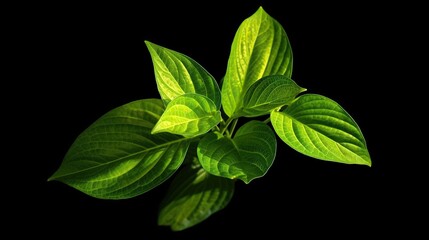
192, 133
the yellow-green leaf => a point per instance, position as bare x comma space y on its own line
269, 93
260, 48
177, 74
319, 127
189, 115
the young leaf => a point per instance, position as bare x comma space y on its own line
188, 115
319, 127
117, 157
177, 74
247, 156
260, 48
269, 93
194, 195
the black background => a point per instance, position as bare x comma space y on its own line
84, 60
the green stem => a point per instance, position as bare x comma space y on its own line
217, 128
266, 121
225, 127
234, 123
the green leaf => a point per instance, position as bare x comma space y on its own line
319, 127
188, 115
177, 74
260, 48
117, 157
247, 156
193, 196
269, 93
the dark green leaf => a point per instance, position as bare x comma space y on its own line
247, 156
193, 196
117, 156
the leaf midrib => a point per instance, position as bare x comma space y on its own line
121, 158
308, 126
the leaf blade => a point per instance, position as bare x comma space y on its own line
194, 195
116, 157
188, 115
177, 74
247, 156
269, 93
260, 48
319, 127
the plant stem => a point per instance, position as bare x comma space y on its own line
234, 123
266, 121
225, 127
217, 128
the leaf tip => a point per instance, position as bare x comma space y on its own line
261, 10
366, 161
246, 181
154, 131
369, 163
51, 178
149, 44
